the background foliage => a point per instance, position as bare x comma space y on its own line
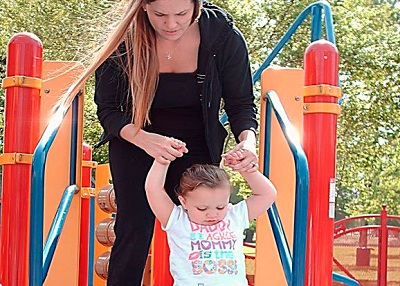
367, 36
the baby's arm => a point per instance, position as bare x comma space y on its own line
158, 199
263, 193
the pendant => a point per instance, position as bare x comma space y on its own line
168, 56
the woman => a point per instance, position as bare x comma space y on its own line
163, 74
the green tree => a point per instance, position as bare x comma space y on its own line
368, 157
70, 30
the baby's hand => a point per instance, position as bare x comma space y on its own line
179, 145
229, 161
232, 158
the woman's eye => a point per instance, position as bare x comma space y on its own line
158, 14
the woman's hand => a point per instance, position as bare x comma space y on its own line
242, 158
162, 148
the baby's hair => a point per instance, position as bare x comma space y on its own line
202, 175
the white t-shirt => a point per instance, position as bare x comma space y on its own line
208, 255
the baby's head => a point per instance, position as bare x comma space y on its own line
204, 192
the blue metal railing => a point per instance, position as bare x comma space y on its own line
56, 227
39, 261
294, 270
315, 11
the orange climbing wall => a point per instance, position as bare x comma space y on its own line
288, 84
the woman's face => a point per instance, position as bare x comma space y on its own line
170, 18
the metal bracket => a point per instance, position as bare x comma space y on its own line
22, 81
15, 158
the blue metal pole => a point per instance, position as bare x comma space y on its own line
37, 198
91, 242
74, 140
343, 279
292, 29
301, 195
281, 242
56, 227
273, 214
316, 19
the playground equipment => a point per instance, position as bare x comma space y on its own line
68, 163
22, 98
372, 242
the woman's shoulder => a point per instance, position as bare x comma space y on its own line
216, 25
215, 14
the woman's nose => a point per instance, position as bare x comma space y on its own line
170, 22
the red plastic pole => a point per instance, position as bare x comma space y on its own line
85, 218
321, 62
160, 267
382, 249
21, 135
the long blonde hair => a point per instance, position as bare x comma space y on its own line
141, 66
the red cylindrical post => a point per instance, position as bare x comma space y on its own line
321, 61
85, 218
21, 134
160, 268
382, 249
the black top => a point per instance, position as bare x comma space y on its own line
176, 111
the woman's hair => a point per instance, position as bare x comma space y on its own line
202, 175
141, 67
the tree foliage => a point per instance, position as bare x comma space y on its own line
70, 30
367, 36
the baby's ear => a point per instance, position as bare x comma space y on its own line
182, 201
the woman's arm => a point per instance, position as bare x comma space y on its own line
159, 201
237, 86
239, 101
111, 99
111, 91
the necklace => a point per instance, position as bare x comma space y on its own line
168, 55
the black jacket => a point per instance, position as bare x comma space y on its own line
223, 73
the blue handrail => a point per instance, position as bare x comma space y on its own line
36, 270
344, 279
56, 227
315, 31
281, 241
301, 190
